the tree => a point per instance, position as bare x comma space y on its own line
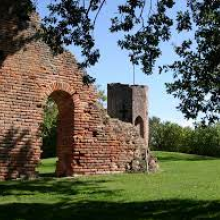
145, 23
155, 133
73, 22
196, 73
168, 136
102, 97
165, 135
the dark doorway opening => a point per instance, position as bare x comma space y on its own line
58, 128
140, 124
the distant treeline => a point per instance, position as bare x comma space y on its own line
167, 136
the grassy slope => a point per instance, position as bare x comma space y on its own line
187, 187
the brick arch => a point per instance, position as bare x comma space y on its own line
139, 122
65, 130
62, 86
47, 90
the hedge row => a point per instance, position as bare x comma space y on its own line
167, 136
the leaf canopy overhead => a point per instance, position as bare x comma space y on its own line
144, 24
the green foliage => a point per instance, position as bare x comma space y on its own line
74, 22
22, 9
168, 136
165, 136
205, 141
102, 97
196, 72
144, 25
49, 129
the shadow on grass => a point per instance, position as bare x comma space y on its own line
94, 203
93, 210
47, 175
54, 186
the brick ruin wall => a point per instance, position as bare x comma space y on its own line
89, 142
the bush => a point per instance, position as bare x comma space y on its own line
167, 136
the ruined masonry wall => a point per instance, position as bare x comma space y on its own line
29, 74
129, 103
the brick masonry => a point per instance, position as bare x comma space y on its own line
129, 103
89, 142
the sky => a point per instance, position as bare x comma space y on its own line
114, 66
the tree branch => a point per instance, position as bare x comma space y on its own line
100, 8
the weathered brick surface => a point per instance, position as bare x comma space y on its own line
89, 142
129, 103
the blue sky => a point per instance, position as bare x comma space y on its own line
114, 66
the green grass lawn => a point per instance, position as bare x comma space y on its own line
47, 167
186, 187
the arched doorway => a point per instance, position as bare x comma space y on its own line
139, 123
63, 133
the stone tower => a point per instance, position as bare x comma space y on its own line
129, 103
